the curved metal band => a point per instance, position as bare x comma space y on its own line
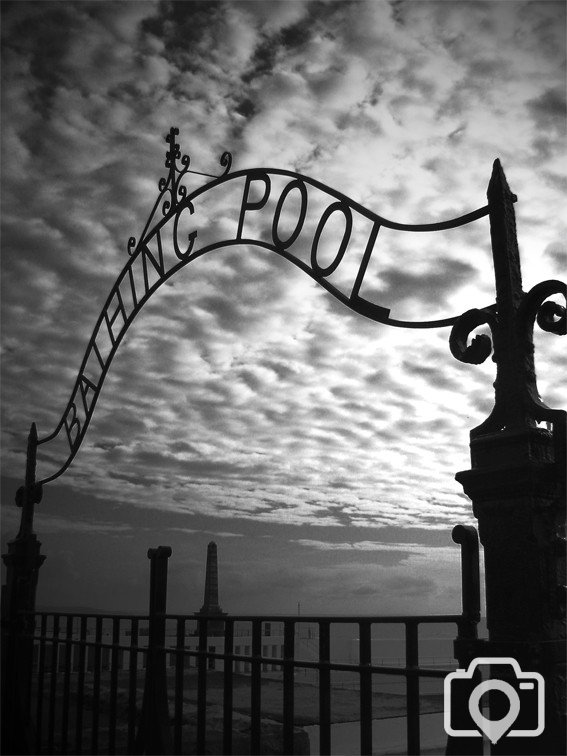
253, 173
150, 266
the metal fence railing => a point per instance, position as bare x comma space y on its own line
91, 672
177, 684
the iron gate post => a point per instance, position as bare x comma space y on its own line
517, 487
467, 537
154, 732
22, 561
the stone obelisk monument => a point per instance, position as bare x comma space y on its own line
211, 607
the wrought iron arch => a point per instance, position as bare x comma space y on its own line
158, 255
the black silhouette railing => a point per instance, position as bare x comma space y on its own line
144, 684
89, 676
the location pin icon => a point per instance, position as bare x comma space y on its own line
494, 728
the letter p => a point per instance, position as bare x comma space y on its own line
249, 205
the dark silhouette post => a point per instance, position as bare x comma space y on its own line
517, 486
467, 537
154, 733
22, 561
211, 608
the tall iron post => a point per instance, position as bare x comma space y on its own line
517, 487
154, 732
22, 561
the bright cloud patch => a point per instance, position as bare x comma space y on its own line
243, 391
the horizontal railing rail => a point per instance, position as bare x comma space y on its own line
173, 684
76, 677
89, 672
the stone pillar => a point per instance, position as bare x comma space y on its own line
521, 517
517, 486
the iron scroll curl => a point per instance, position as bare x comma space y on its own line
514, 404
152, 262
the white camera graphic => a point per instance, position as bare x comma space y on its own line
525, 694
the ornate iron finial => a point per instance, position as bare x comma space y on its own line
511, 320
172, 185
173, 153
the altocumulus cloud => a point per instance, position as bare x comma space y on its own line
243, 392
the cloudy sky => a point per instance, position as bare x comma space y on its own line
245, 404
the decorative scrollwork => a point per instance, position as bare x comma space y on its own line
172, 192
157, 253
550, 316
226, 162
517, 400
172, 184
178, 191
481, 346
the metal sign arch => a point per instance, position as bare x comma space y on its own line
159, 254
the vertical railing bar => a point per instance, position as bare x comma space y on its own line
132, 683
113, 685
288, 691
365, 660
179, 686
412, 688
324, 689
53, 683
96, 684
227, 687
202, 686
81, 686
61, 677
28, 630
66, 684
40, 681
256, 687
